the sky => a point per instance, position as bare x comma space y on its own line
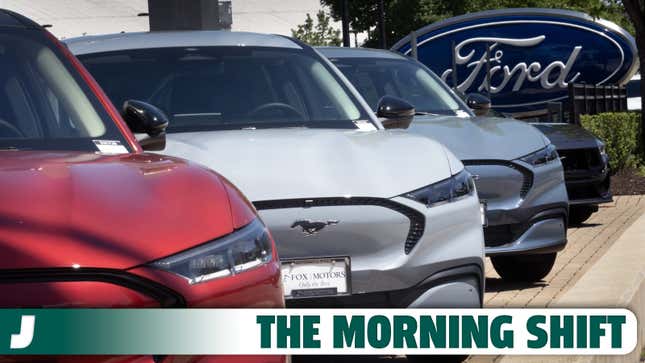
73, 18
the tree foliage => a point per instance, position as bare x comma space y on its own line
320, 33
636, 12
620, 133
404, 16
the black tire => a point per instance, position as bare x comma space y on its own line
524, 268
580, 213
436, 358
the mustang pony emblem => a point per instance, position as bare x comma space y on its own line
309, 228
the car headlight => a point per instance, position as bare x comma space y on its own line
448, 190
542, 156
242, 250
602, 150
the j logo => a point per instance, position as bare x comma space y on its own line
26, 335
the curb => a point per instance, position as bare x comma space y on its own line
617, 279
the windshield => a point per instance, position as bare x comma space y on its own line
44, 104
375, 78
210, 88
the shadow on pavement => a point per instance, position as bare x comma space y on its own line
498, 285
587, 225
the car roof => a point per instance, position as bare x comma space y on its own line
340, 52
9, 19
172, 39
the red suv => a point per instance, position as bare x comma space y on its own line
87, 219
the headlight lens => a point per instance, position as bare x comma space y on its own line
602, 150
240, 251
542, 156
445, 191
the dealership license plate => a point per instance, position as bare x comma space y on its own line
315, 277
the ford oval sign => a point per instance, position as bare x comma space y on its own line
533, 54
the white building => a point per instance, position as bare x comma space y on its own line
72, 18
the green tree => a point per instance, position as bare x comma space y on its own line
317, 34
636, 12
404, 16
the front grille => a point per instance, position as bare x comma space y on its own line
527, 175
417, 219
580, 159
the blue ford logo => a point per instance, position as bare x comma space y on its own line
533, 54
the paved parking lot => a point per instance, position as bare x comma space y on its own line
586, 244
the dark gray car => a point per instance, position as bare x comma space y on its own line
586, 168
517, 169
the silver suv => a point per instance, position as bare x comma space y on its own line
516, 168
362, 216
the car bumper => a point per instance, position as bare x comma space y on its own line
541, 236
373, 237
527, 207
458, 287
588, 188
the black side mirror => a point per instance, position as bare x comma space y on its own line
144, 118
479, 103
397, 113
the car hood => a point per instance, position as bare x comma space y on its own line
481, 138
119, 211
315, 163
568, 136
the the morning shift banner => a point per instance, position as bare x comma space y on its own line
317, 331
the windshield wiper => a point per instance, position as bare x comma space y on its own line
8, 148
423, 113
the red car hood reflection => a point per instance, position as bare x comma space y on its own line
64, 209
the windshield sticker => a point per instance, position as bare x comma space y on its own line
110, 147
365, 125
